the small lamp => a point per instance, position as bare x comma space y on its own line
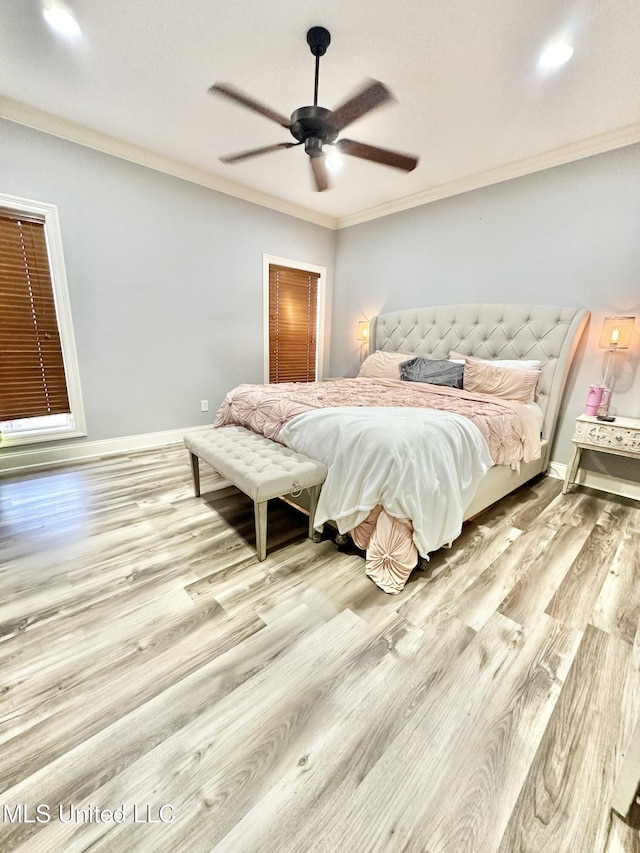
616, 334
363, 337
363, 331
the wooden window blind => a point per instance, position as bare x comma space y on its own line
293, 321
32, 377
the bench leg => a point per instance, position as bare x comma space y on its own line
314, 494
260, 509
195, 471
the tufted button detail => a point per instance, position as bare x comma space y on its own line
484, 330
259, 467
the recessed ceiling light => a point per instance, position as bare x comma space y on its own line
555, 55
61, 20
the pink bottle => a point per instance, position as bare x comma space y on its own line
594, 399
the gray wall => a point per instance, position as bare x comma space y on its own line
165, 280
568, 235
165, 277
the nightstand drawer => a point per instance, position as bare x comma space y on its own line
606, 436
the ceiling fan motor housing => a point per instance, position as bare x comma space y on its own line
310, 125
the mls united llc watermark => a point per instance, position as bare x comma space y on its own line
68, 813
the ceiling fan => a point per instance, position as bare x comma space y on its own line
316, 126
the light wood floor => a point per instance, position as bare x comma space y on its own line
148, 661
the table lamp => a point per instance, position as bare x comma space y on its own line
616, 334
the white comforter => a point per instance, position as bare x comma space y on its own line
420, 464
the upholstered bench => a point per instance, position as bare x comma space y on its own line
259, 467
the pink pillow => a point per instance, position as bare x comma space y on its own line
482, 377
383, 365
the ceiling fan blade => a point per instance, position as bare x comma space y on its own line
378, 155
371, 96
320, 176
239, 97
255, 152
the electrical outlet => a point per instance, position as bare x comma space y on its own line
204, 405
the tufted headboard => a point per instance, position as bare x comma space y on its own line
547, 332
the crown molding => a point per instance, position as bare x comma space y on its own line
56, 126
619, 138
49, 123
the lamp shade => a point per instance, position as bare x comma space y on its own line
363, 330
617, 332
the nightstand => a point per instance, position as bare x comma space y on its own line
622, 438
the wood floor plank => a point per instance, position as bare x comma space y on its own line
81, 773
472, 801
557, 511
148, 658
37, 670
476, 604
81, 710
577, 749
363, 716
576, 596
475, 553
262, 717
515, 673
524, 506
628, 726
617, 609
532, 593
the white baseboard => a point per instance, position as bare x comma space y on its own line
595, 480
19, 460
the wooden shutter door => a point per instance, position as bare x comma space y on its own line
293, 322
32, 378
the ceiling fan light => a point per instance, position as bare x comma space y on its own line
335, 161
61, 19
556, 55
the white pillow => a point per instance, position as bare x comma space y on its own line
384, 365
517, 363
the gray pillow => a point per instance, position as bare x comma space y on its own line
437, 371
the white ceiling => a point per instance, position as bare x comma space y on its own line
471, 99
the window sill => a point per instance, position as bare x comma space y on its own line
16, 439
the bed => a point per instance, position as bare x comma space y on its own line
409, 461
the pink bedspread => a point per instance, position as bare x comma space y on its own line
511, 430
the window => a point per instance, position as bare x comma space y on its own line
292, 302
39, 387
